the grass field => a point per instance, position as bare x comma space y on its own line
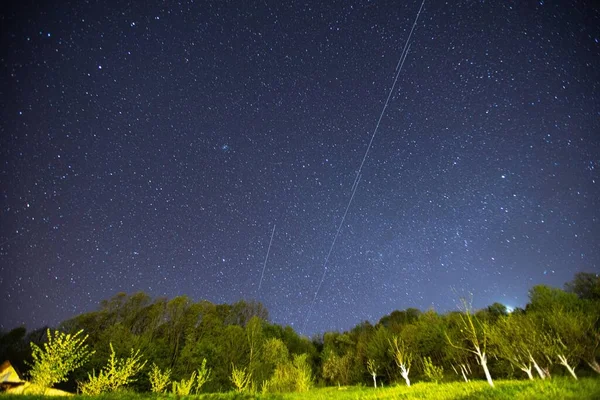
558, 388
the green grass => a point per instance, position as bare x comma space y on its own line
588, 388
557, 388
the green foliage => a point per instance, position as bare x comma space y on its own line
372, 367
184, 386
517, 339
159, 381
61, 354
275, 352
337, 369
473, 336
397, 319
401, 353
241, 379
295, 376
118, 373
283, 379
378, 350
433, 373
556, 328
585, 285
203, 376
568, 334
544, 299
303, 373
372, 370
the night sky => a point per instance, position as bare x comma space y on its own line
153, 146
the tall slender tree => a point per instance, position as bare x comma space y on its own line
475, 334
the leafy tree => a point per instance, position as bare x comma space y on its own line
255, 339
283, 379
234, 345
275, 352
425, 338
303, 373
585, 285
402, 357
518, 340
475, 334
241, 313
202, 332
61, 354
397, 319
361, 335
567, 333
337, 368
338, 358
492, 313
570, 323
378, 351
297, 344
175, 325
544, 299
372, 369
295, 376
429, 339
591, 344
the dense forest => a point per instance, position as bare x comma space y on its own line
558, 332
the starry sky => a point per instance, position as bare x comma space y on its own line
154, 146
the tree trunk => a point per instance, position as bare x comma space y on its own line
483, 360
563, 361
528, 372
407, 380
547, 372
374, 381
594, 365
487, 374
537, 367
463, 369
404, 373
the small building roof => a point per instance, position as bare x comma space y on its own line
8, 373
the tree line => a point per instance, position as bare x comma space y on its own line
180, 345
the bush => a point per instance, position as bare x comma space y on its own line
159, 380
283, 379
203, 376
118, 373
241, 379
433, 373
303, 373
289, 376
184, 387
62, 354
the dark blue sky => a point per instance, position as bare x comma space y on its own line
153, 146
